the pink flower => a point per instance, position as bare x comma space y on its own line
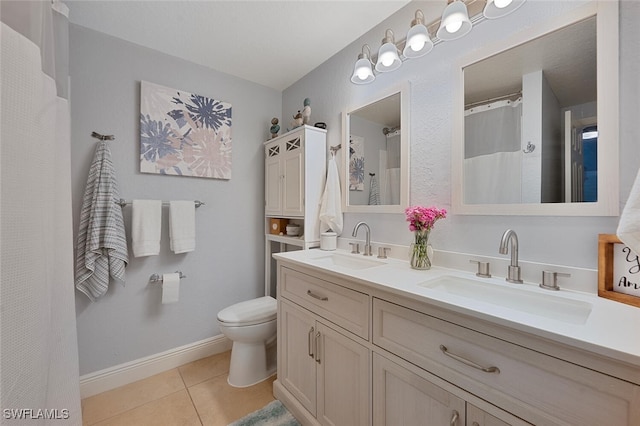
423, 218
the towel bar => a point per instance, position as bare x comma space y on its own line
122, 202
157, 278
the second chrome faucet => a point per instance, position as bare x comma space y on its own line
513, 275
367, 244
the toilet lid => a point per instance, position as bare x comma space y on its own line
254, 311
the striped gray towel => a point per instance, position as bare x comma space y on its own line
374, 191
101, 250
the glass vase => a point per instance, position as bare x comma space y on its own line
420, 250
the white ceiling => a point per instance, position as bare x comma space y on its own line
273, 43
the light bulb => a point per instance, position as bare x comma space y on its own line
502, 3
452, 27
387, 59
362, 73
418, 42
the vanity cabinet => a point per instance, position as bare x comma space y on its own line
390, 358
324, 369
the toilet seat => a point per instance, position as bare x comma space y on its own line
249, 312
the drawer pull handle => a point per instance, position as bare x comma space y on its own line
309, 342
315, 296
318, 347
465, 361
454, 418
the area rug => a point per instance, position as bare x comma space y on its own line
272, 414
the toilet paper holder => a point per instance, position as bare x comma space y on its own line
157, 278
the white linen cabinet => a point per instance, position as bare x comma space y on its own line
295, 173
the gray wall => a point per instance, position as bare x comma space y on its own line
558, 240
228, 263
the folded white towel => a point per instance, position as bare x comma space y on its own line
331, 207
182, 226
629, 225
146, 221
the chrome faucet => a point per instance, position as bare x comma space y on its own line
367, 244
513, 275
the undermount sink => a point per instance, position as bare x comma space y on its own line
347, 262
547, 306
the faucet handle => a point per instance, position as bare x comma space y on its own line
382, 252
355, 248
483, 268
550, 279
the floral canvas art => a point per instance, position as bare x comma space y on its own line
356, 163
184, 134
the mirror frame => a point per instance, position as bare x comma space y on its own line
403, 89
606, 13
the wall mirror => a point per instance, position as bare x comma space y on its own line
537, 121
375, 154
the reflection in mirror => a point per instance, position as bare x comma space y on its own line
376, 162
536, 120
531, 121
374, 153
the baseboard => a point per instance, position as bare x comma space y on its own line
119, 375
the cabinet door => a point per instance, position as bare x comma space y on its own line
478, 417
401, 397
343, 379
293, 185
273, 181
296, 344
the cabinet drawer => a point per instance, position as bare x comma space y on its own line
539, 388
344, 307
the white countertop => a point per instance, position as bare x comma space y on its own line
609, 330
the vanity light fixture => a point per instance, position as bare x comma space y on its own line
362, 72
418, 41
454, 24
388, 58
455, 21
499, 8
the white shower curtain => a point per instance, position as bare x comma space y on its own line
492, 153
39, 353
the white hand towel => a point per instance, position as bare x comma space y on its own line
182, 226
146, 220
331, 207
629, 225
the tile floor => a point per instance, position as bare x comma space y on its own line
193, 394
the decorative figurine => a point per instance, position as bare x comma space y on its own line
297, 120
275, 128
306, 111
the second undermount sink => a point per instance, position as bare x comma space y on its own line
347, 262
548, 306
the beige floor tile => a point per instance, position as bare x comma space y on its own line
172, 410
206, 368
218, 403
119, 400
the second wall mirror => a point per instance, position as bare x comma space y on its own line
375, 155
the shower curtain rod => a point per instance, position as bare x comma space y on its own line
498, 98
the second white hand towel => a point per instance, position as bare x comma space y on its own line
182, 226
146, 219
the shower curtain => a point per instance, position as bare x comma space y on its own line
38, 344
390, 170
492, 153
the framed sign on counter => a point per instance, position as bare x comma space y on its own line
618, 271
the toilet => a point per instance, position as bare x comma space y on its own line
250, 325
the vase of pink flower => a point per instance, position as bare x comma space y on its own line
421, 221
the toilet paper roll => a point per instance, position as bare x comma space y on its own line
170, 288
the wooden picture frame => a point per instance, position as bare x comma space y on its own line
606, 271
